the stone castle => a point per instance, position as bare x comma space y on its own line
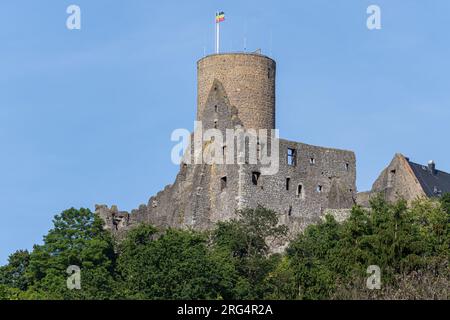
238, 90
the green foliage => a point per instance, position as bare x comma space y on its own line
245, 240
174, 265
445, 202
398, 239
9, 293
411, 245
13, 274
280, 283
77, 239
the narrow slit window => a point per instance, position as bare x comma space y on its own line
223, 183
347, 166
319, 189
215, 124
288, 184
216, 109
258, 150
312, 161
300, 191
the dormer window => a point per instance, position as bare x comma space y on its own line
436, 191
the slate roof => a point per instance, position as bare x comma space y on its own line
434, 184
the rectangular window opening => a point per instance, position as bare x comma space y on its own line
255, 178
288, 184
292, 157
300, 191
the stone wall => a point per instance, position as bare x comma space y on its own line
248, 80
327, 180
238, 91
198, 198
396, 181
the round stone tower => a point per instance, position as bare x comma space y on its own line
249, 84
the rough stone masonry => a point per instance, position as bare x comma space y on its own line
238, 90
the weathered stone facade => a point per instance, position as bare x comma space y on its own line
403, 179
238, 91
249, 83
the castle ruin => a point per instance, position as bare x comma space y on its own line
237, 90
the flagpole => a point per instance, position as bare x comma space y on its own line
218, 38
217, 33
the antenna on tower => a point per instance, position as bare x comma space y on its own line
271, 43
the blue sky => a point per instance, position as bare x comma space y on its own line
86, 116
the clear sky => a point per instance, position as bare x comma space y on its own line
86, 116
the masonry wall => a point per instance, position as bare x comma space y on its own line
331, 170
396, 181
238, 90
248, 81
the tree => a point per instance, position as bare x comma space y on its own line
445, 202
313, 260
247, 242
13, 274
174, 264
330, 260
78, 239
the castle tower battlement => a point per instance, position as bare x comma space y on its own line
248, 80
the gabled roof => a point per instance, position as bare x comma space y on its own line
434, 183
